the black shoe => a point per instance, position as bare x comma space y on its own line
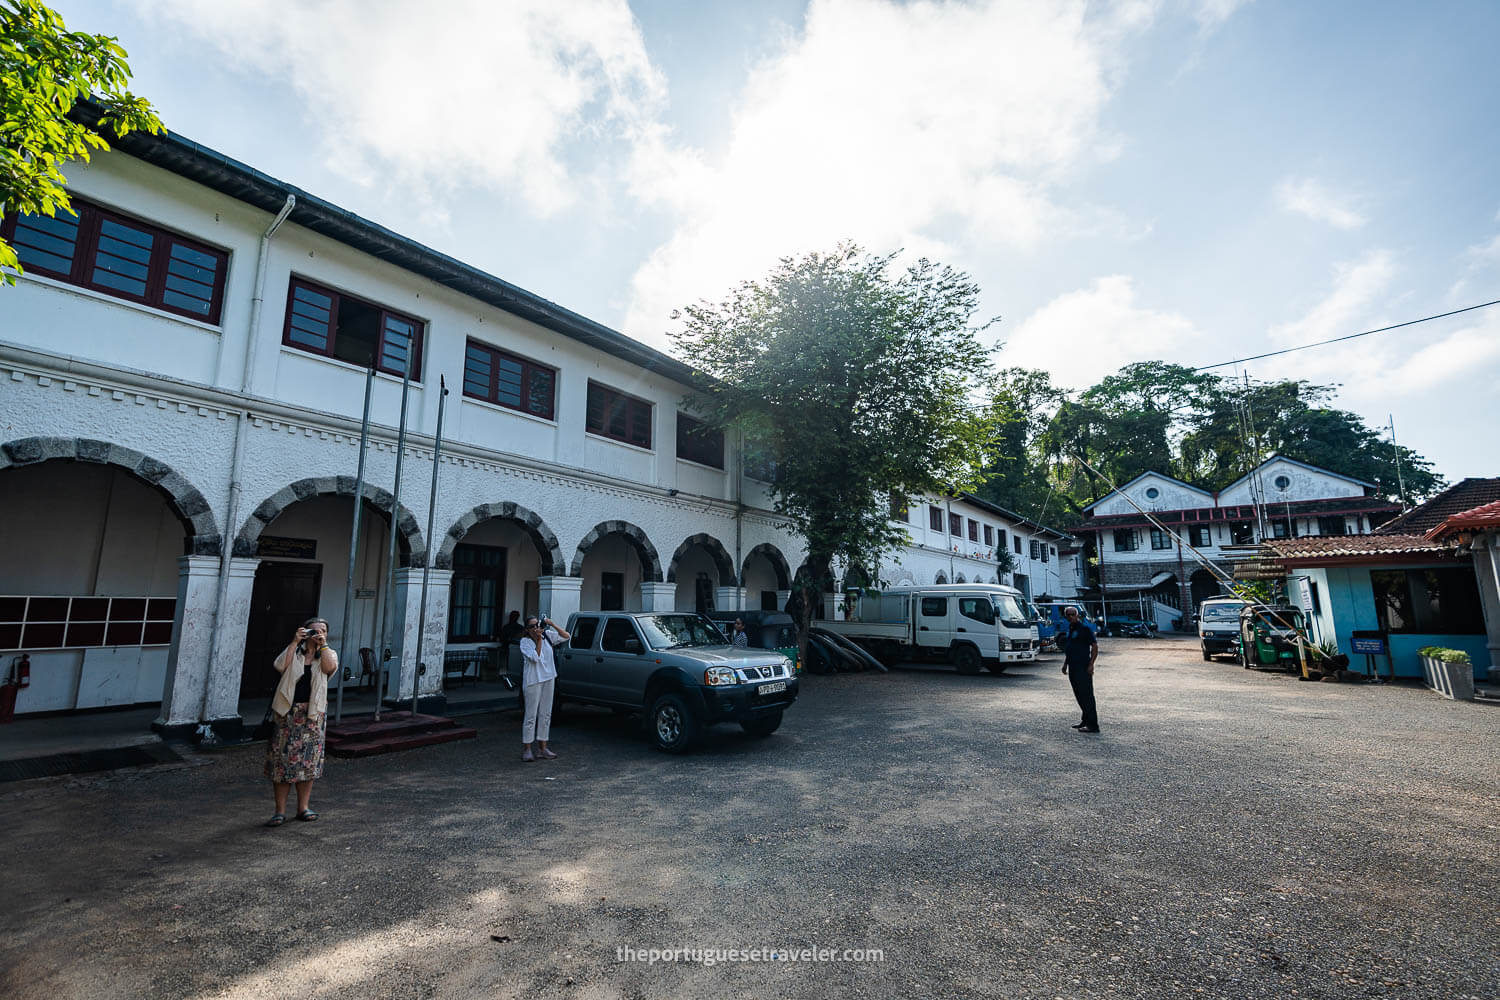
1076, 725
1088, 729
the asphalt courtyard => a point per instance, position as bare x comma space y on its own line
1230, 833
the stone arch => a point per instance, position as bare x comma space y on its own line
650, 561
723, 565
778, 563
413, 550
856, 578
960, 579
941, 578
202, 529
531, 525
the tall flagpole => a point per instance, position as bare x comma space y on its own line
437, 454
383, 655
359, 498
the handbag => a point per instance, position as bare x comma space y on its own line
266, 727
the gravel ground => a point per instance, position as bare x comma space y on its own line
1230, 833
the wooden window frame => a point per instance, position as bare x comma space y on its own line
631, 405
973, 530
529, 369
385, 312
955, 525
91, 217
463, 570
934, 518
696, 434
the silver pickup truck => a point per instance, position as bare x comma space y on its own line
678, 669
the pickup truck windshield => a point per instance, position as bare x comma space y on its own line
677, 631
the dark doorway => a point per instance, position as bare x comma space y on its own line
1203, 586
611, 591
703, 594
285, 596
768, 600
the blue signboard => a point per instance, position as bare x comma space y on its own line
1368, 646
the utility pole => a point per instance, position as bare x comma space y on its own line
1400, 486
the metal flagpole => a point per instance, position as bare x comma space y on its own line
359, 497
386, 617
437, 454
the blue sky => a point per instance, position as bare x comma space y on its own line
1195, 180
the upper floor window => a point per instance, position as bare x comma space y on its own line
989, 534
1017, 540
698, 442
1201, 536
1334, 525
1160, 539
1242, 533
1035, 550
955, 524
1125, 540
899, 510
935, 518
973, 530
616, 415
120, 256
322, 321
497, 377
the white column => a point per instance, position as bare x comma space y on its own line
831, 607
192, 635
435, 636
233, 624
782, 596
658, 596
560, 596
729, 599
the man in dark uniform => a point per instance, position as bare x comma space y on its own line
1079, 653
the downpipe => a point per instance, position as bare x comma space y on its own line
205, 733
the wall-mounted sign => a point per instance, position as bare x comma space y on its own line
277, 547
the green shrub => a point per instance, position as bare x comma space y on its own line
1444, 654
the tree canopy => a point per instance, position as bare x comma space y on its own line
44, 70
853, 376
1205, 429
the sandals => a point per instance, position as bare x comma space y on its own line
307, 815
527, 757
276, 819
549, 755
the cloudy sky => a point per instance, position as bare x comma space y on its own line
1190, 180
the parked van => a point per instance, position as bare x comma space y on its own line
1219, 626
970, 625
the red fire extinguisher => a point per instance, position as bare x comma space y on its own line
19, 677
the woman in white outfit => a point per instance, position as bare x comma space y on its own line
538, 679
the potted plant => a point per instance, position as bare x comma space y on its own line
1449, 672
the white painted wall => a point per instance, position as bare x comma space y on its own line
1301, 483
1170, 495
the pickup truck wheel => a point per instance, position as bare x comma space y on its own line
1206, 654
996, 667
966, 659
762, 727
673, 727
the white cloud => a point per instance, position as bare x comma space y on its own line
1084, 335
456, 91
1396, 364
1312, 198
887, 124
1211, 14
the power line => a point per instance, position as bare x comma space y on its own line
1349, 336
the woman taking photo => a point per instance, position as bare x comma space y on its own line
294, 755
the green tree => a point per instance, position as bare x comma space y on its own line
44, 70
853, 376
1022, 404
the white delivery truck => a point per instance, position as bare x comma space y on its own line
970, 625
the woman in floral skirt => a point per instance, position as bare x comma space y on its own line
294, 755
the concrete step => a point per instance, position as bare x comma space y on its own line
393, 742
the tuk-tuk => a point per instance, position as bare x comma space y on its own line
765, 629
1270, 636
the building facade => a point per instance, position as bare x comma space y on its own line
183, 372
1165, 560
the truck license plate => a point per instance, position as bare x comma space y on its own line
771, 688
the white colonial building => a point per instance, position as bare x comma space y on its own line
183, 373
1280, 498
